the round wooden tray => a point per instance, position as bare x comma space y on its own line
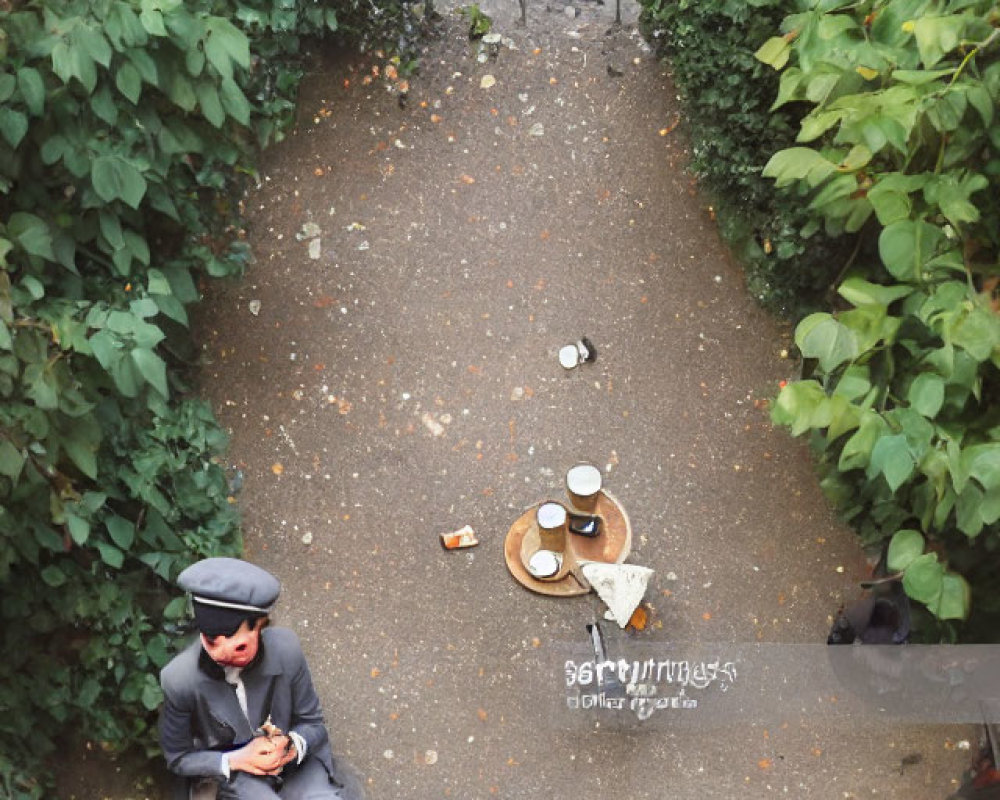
612, 546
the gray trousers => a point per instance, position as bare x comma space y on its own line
308, 781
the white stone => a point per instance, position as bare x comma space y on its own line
620, 586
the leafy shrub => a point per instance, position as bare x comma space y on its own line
902, 401
727, 95
126, 130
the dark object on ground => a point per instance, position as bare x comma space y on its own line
588, 353
982, 780
882, 616
585, 525
614, 73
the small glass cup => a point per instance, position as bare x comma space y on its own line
583, 484
552, 519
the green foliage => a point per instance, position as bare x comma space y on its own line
900, 147
479, 23
126, 128
727, 96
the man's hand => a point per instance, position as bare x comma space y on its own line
263, 755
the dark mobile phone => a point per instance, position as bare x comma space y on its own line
585, 525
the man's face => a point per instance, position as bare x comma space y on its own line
237, 650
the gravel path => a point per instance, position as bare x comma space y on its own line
388, 370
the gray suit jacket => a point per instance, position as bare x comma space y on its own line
201, 717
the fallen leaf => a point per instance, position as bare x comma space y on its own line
468, 179
765, 763
706, 616
481, 713
277, 469
639, 619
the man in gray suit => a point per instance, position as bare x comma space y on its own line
239, 704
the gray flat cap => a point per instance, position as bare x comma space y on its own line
232, 584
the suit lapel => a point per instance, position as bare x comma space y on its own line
224, 708
259, 682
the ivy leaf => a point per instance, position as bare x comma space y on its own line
32, 233
53, 576
953, 196
989, 509
152, 369
107, 348
71, 61
857, 158
857, 450
121, 531
892, 458
976, 331
32, 88
906, 246
234, 101
926, 394
906, 545
13, 126
79, 528
111, 555
114, 178
157, 282
823, 337
798, 163
981, 100
152, 19
955, 598
81, 446
41, 386
93, 44
937, 35
211, 106
176, 609
129, 82
774, 52
103, 104
860, 292
111, 228
889, 205
968, 510
924, 578
11, 460
802, 405
854, 383
8, 83
982, 462
151, 696
225, 44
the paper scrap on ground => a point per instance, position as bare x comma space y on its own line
620, 586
